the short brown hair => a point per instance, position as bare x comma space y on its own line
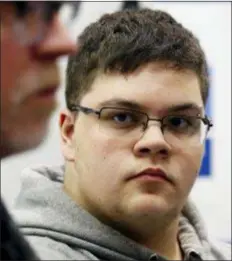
125, 40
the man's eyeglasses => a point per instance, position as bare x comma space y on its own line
178, 130
33, 19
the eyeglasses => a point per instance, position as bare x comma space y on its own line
34, 17
178, 130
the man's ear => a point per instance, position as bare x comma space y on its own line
66, 124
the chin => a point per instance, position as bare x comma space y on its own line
151, 206
21, 141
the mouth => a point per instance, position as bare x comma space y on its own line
152, 174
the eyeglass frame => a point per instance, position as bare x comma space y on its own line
88, 110
41, 10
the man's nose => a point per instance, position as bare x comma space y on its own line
56, 43
152, 142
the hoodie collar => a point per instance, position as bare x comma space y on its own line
192, 235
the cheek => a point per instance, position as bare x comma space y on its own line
15, 57
189, 163
101, 157
98, 144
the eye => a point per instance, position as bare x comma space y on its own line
123, 117
180, 123
126, 119
119, 118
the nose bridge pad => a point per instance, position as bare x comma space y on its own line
155, 122
154, 142
144, 124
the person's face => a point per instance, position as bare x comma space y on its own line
29, 76
103, 165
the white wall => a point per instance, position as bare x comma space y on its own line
211, 22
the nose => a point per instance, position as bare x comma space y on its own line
56, 42
152, 143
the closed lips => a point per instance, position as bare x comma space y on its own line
48, 91
153, 173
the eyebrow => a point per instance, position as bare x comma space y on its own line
135, 106
184, 107
123, 103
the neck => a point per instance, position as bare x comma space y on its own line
162, 239
164, 243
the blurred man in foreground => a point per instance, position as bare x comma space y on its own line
133, 139
32, 39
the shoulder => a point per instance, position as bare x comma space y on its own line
33, 175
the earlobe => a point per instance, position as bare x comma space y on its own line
66, 124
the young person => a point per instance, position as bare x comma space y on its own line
133, 139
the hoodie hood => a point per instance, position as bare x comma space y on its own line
43, 209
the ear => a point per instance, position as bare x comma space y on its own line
66, 124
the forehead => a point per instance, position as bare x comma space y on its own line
153, 87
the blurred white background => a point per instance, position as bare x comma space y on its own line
211, 22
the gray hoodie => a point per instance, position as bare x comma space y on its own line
58, 229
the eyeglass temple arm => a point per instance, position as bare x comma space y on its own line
208, 122
83, 109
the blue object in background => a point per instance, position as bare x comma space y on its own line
206, 168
